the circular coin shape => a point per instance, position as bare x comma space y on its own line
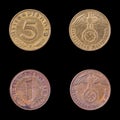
30, 29
89, 30
30, 89
90, 89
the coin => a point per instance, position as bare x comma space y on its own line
90, 89
30, 89
89, 30
29, 29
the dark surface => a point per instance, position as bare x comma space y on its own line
59, 59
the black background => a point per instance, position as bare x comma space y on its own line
59, 59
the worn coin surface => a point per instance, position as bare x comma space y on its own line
30, 29
90, 89
89, 30
30, 89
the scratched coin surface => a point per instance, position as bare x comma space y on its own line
30, 89
89, 30
90, 89
30, 29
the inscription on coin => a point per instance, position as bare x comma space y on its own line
30, 89
89, 30
30, 29
90, 89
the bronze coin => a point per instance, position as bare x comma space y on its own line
90, 89
30, 89
89, 30
30, 29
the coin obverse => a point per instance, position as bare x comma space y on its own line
89, 30
29, 29
90, 89
30, 89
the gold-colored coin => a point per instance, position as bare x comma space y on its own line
30, 29
89, 30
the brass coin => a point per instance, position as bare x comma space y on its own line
90, 89
89, 30
30, 89
30, 29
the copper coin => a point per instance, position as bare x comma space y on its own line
29, 29
90, 89
89, 30
30, 89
